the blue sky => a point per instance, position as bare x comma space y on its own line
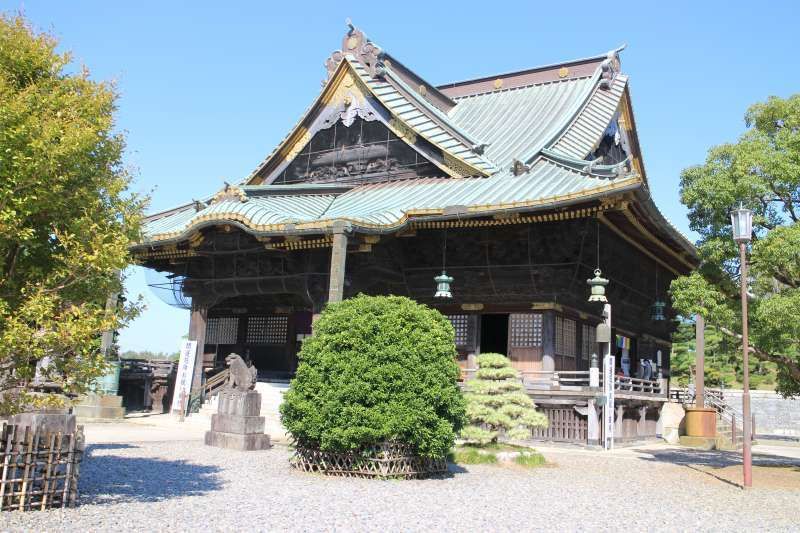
208, 89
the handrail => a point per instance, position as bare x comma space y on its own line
716, 398
625, 383
215, 382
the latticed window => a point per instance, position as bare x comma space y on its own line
565, 336
526, 330
588, 343
461, 326
269, 329
222, 330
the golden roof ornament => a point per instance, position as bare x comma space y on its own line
230, 193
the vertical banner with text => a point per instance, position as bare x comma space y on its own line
183, 380
608, 407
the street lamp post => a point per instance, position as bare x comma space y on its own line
742, 224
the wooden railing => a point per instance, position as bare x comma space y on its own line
577, 380
628, 384
563, 379
216, 382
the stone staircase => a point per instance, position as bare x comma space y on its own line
271, 398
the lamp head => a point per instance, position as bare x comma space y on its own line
742, 224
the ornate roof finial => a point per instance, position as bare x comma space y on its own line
610, 67
230, 193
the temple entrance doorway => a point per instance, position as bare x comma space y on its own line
494, 334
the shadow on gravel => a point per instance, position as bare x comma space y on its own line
109, 446
453, 469
702, 460
714, 458
107, 479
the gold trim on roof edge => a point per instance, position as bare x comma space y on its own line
223, 217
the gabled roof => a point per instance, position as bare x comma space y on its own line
525, 138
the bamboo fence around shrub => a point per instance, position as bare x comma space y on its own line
387, 460
38, 469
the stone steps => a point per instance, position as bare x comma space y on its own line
99, 407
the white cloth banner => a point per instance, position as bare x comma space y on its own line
608, 408
183, 380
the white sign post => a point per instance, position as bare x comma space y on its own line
183, 380
608, 408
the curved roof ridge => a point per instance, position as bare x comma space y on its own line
584, 165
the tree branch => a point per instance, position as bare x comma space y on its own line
791, 366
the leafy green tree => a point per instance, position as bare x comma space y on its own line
377, 368
496, 404
66, 219
761, 171
723, 360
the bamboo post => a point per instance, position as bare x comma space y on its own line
65, 496
48, 471
29, 440
8, 433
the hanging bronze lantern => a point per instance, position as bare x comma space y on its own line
443, 282
598, 285
657, 310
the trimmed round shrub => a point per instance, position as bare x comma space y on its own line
377, 368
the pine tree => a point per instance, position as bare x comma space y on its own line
497, 405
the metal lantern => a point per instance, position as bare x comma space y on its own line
443, 282
657, 310
598, 285
742, 224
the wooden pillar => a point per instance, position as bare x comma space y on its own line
197, 332
700, 362
338, 260
548, 341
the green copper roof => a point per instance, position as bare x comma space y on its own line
517, 123
389, 205
421, 116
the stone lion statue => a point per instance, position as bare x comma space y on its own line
242, 376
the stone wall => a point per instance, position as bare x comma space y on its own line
774, 415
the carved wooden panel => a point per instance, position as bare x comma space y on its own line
525, 341
525, 330
565, 337
461, 327
588, 342
222, 330
268, 329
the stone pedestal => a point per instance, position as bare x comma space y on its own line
46, 420
237, 424
670, 421
99, 407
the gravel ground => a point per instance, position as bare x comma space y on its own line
179, 486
